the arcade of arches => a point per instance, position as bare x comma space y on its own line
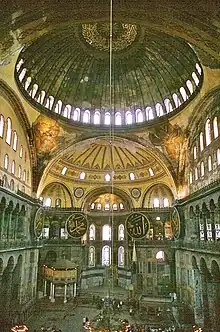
67, 151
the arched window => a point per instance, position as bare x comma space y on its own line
106, 256
2, 123
58, 107
107, 207
15, 140
107, 177
19, 64
128, 118
91, 258
201, 142
49, 102
151, 172
82, 175
196, 173
160, 255
99, 206
21, 152
202, 169
195, 78
48, 202
208, 132
215, 127
131, 175
168, 105
176, 100
9, 131
118, 119
76, 114
166, 202
209, 163
24, 175
92, 206
189, 86
22, 74
195, 152
121, 256
199, 69
218, 157
106, 233
97, 117
5, 181
92, 232
190, 177
159, 109
34, 90
121, 206
19, 171
115, 207
156, 202
107, 118
64, 170
13, 167
183, 93
58, 202
41, 97
67, 111
86, 116
139, 115
121, 232
149, 113
27, 83
6, 161
12, 185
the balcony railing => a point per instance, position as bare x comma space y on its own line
213, 246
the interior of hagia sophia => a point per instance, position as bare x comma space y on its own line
110, 161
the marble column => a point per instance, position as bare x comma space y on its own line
74, 291
51, 290
198, 305
205, 300
45, 288
213, 291
65, 294
53, 293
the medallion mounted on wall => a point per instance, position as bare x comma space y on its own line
39, 222
136, 193
76, 224
175, 223
78, 192
137, 225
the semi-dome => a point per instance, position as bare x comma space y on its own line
67, 73
102, 160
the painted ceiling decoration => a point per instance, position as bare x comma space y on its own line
67, 71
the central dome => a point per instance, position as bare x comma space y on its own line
67, 73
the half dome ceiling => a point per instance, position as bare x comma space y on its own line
98, 157
68, 70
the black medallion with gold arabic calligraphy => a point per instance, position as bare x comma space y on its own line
175, 223
76, 224
39, 222
137, 225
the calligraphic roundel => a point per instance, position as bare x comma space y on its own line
76, 224
175, 223
39, 222
137, 225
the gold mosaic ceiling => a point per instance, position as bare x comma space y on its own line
100, 156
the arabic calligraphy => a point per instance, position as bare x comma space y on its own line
39, 222
137, 225
76, 225
175, 223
